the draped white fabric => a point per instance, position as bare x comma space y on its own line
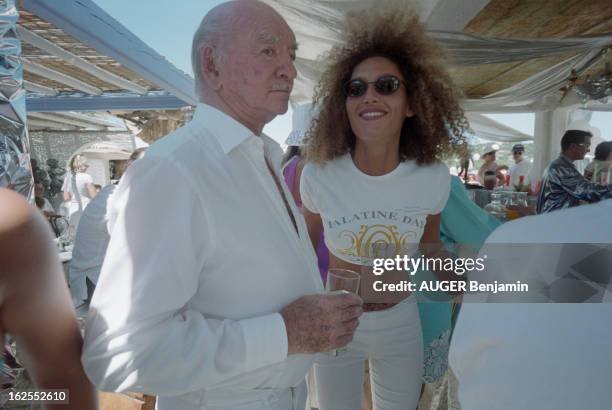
489, 129
317, 24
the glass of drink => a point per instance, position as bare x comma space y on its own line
490, 180
342, 280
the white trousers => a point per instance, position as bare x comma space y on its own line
392, 341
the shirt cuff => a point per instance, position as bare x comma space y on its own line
266, 340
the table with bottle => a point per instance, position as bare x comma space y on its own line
504, 204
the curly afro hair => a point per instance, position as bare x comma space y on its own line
438, 123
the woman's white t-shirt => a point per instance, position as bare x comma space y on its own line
359, 210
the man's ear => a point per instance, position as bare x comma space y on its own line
209, 68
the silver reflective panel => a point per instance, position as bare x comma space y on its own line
15, 168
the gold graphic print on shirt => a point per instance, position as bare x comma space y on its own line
363, 243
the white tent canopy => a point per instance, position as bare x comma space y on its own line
317, 24
489, 129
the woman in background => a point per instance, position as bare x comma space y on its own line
464, 227
293, 163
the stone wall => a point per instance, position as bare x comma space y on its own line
62, 145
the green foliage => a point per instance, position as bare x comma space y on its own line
52, 178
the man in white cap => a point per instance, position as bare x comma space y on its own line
519, 172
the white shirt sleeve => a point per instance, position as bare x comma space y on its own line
307, 188
444, 181
141, 334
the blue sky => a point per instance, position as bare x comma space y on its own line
169, 30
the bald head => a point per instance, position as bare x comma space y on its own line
243, 61
222, 24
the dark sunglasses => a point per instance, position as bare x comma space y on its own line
384, 85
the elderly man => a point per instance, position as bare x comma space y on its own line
563, 186
209, 295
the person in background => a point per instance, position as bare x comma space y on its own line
209, 295
599, 170
562, 185
489, 162
519, 172
465, 158
42, 203
78, 190
293, 163
35, 306
464, 227
90, 243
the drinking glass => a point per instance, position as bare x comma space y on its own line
496, 208
341, 280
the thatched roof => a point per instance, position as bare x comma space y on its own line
530, 19
60, 38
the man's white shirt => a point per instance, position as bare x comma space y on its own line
90, 245
203, 255
92, 234
521, 169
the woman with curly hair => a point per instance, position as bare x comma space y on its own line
388, 112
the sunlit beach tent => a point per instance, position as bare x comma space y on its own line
529, 56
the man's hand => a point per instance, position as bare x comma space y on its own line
319, 323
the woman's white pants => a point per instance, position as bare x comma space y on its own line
392, 341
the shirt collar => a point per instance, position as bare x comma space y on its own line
226, 130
